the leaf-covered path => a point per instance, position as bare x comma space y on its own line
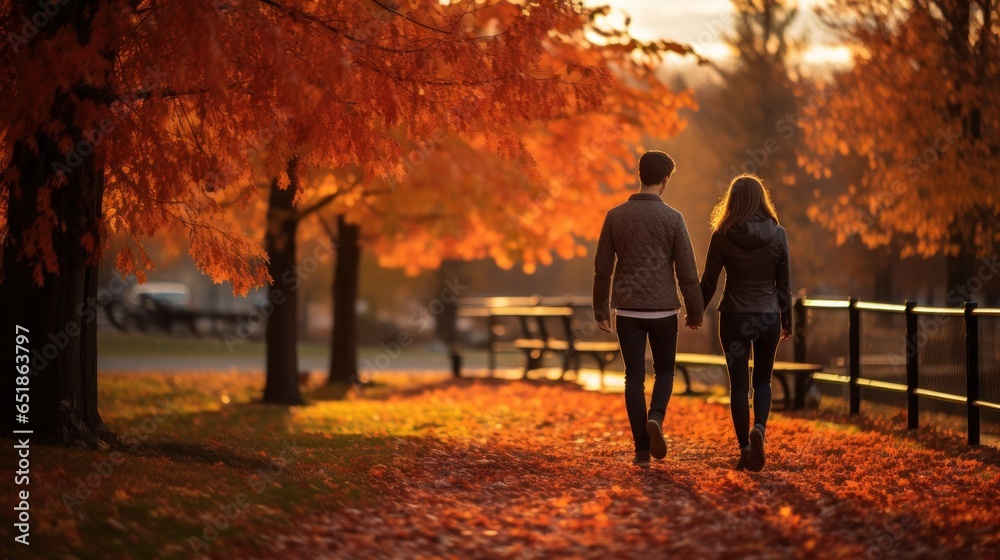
535, 470
491, 469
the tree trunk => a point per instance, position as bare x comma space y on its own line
344, 343
446, 325
962, 272
961, 268
281, 336
885, 289
58, 315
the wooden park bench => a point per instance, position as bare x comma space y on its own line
801, 375
539, 338
547, 330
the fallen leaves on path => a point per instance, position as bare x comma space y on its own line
494, 469
537, 470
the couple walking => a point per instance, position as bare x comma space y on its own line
645, 252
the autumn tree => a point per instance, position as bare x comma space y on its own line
134, 118
920, 109
49, 142
460, 199
103, 103
486, 93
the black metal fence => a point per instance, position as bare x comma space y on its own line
941, 353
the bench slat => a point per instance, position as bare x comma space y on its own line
831, 377
884, 385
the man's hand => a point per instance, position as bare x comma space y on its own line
604, 325
786, 331
691, 325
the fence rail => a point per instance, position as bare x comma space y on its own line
937, 353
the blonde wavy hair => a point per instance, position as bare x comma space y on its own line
745, 196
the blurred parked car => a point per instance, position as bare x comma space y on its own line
153, 305
166, 307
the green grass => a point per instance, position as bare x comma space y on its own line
193, 445
112, 344
115, 344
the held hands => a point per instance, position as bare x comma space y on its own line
691, 325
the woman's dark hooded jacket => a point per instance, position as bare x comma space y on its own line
758, 271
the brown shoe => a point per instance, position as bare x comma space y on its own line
657, 445
641, 459
756, 460
744, 460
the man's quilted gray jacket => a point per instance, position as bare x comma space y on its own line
653, 250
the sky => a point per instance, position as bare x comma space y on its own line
704, 23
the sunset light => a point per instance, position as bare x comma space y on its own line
500, 279
705, 24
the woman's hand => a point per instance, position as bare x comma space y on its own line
604, 325
786, 331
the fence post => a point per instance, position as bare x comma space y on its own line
492, 356
799, 329
854, 355
912, 371
972, 371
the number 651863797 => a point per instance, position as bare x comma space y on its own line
21, 353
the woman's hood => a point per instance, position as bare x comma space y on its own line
754, 233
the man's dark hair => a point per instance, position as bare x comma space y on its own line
654, 167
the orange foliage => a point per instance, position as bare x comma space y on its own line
189, 92
459, 197
919, 112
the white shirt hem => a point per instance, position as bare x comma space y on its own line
646, 314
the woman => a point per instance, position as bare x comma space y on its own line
755, 312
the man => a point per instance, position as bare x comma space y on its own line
651, 244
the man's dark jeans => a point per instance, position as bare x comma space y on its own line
632, 336
739, 333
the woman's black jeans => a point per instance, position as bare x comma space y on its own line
632, 336
739, 333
